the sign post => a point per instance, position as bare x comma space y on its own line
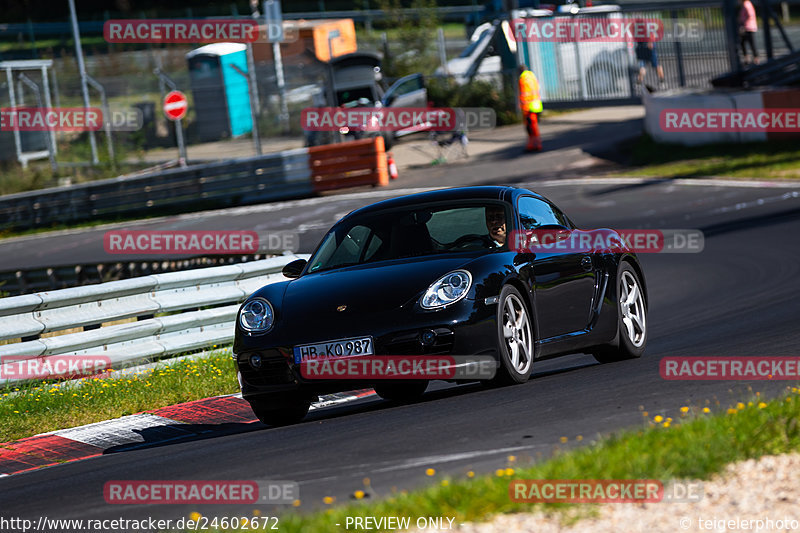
175, 107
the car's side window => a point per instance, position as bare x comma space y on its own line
534, 213
374, 245
448, 225
349, 251
414, 84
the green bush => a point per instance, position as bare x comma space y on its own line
416, 37
444, 92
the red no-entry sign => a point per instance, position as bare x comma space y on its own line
175, 105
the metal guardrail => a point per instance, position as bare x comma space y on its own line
25, 281
231, 182
195, 308
288, 174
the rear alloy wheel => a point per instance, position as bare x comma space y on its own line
632, 318
401, 392
514, 338
280, 413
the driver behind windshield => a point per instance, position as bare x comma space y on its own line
496, 224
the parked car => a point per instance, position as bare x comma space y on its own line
358, 82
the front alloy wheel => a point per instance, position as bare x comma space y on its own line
515, 338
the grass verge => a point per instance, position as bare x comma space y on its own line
694, 446
774, 159
38, 408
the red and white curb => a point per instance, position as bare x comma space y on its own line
174, 422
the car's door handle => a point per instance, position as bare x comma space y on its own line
586, 262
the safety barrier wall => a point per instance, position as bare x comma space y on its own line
716, 99
175, 312
282, 175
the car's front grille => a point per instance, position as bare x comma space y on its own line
274, 370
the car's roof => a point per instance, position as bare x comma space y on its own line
487, 192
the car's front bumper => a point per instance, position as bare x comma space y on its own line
468, 327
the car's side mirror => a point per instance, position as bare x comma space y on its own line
294, 268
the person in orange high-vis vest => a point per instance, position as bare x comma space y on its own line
530, 103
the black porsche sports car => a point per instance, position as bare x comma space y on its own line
436, 273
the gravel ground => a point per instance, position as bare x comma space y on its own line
753, 495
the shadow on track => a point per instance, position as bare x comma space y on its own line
167, 435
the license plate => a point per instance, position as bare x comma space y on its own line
338, 348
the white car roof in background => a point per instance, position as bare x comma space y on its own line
217, 49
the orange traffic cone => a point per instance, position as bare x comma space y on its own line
392, 166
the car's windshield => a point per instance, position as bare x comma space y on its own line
413, 232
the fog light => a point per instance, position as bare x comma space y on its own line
427, 337
255, 361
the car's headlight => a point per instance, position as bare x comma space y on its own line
448, 289
256, 316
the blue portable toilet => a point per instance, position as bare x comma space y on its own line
221, 97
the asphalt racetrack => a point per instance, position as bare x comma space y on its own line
738, 297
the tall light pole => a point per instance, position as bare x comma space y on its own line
82, 70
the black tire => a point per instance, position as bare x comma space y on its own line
401, 392
626, 348
509, 372
280, 413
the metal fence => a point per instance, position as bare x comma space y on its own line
585, 72
174, 313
